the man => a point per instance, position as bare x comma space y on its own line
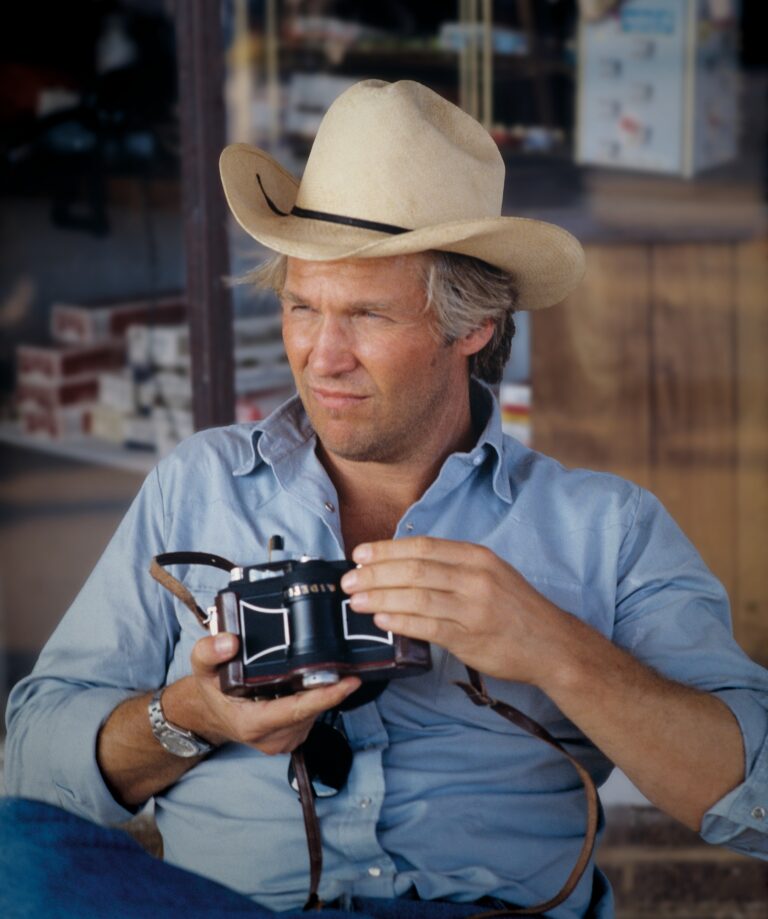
572, 592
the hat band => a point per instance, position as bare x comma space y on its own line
307, 214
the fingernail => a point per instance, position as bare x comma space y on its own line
224, 643
354, 685
349, 581
362, 553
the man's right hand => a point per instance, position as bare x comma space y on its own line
134, 764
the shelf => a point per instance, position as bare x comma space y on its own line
82, 449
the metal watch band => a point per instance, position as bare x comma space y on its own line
171, 737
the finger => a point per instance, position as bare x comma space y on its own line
420, 627
405, 572
449, 551
431, 604
305, 706
211, 652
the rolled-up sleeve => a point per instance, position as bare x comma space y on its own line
114, 642
673, 614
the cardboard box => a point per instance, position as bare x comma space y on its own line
53, 395
257, 340
658, 86
40, 364
98, 322
107, 423
59, 423
118, 391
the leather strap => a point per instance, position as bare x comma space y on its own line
477, 692
158, 572
311, 827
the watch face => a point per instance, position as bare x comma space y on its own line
174, 739
178, 744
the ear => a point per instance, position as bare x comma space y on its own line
477, 339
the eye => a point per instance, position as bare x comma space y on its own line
296, 309
372, 315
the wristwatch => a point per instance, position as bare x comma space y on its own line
171, 737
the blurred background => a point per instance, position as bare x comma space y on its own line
641, 126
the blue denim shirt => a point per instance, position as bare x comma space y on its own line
443, 797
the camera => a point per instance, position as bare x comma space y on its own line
297, 631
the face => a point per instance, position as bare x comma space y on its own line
376, 381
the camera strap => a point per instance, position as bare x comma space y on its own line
174, 585
477, 692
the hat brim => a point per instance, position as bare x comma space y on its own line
546, 260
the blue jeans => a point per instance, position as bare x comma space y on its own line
54, 865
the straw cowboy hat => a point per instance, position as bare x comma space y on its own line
396, 169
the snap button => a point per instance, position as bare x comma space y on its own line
330, 507
758, 812
477, 460
374, 871
409, 526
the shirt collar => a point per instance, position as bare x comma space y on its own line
281, 432
491, 442
288, 428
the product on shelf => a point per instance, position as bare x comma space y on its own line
57, 423
42, 364
108, 423
56, 394
77, 323
150, 400
57, 386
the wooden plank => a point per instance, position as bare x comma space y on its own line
751, 596
590, 367
694, 397
201, 80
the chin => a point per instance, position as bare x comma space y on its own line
356, 450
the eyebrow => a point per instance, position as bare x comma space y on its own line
378, 305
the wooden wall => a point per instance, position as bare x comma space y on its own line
657, 369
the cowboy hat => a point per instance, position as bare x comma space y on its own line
397, 169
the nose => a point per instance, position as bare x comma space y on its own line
332, 350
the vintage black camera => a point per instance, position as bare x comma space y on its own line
298, 631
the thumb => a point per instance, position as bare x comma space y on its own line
212, 651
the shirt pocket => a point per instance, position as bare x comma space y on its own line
191, 630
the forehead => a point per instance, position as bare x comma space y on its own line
399, 277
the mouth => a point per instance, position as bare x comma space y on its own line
336, 398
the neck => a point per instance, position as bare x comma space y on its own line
373, 496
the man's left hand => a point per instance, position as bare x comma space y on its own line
460, 596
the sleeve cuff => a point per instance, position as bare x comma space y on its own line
74, 769
739, 820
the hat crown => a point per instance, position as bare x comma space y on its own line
398, 153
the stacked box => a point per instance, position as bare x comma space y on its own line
262, 376
57, 385
658, 86
104, 321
